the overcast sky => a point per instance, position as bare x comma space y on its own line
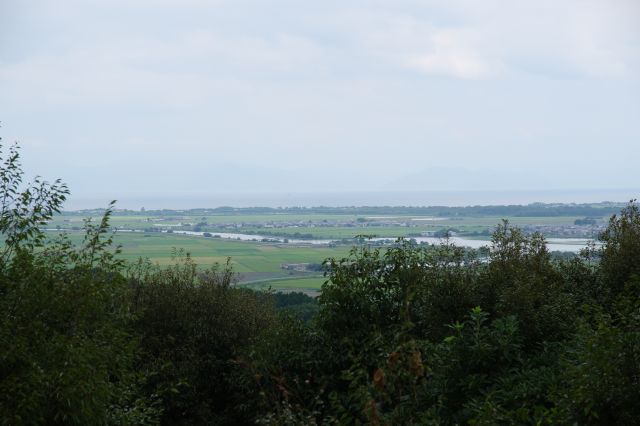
201, 96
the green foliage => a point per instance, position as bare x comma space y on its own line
193, 326
620, 253
521, 280
291, 299
409, 285
408, 335
406, 342
602, 364
298, 304
24, 209
66, 349
288, 366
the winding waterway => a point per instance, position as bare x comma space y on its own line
573, 245
553, 244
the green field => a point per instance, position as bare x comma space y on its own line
415, 227
141, 221
258, 264
253, 261
309, 285
299, 224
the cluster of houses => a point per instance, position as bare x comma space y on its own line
587, 230
324, 223
566, 231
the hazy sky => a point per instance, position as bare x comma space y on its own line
199, 96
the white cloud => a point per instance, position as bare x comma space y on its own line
452, 53
176, 73
592, 38
346, 85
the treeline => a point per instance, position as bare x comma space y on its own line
405, 335
598, 210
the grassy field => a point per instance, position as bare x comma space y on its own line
259, 264
463, 225
305, 284
255, 224
253, 261
145, 221
246, 256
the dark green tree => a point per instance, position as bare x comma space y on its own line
620, 251
66, 351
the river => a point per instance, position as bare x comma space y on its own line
553, 244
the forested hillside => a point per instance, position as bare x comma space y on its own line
401, 335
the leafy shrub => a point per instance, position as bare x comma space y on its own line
620, 251
193, 326
66, 348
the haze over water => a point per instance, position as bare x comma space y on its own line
353, 198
